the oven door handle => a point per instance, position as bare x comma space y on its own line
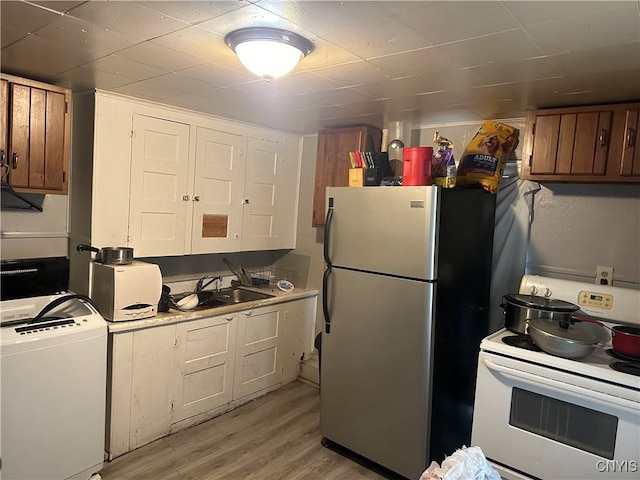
550, 382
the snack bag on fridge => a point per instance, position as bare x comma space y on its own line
486, 155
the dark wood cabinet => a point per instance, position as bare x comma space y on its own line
332, 160
596, 144
35, 135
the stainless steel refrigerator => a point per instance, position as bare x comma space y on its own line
405, 302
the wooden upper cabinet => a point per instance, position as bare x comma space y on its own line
37, 135
4, 132
583, 144
332, 160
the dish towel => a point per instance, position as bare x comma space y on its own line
465, 464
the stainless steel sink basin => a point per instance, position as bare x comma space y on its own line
239, 295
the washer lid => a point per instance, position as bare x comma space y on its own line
541, 303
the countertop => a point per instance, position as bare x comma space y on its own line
176, 316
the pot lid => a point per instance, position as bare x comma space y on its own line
541, 303
561, 330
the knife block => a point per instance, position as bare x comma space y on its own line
356, 177
372, 177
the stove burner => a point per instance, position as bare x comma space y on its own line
611, 352
632, 368
521, 341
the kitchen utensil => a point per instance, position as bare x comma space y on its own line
165, 299
561, 339
624, 339
109, 255
244, 279
519, 309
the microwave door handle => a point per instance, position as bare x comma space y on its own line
632, 407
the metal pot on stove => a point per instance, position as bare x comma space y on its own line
109, 255
520, 309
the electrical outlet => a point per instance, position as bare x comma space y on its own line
604, 275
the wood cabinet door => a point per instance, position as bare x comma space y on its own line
160, 194
151, 384
631, 150
258, 357
218, 191
269, 197
571, 144
332, 161
204, 362
19, 135
4, 129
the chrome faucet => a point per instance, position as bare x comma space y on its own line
201, 285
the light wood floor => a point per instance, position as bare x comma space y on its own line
275, 437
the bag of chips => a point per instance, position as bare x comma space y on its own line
486, 155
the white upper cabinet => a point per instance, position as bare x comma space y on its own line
158, 197
172, 182
218, 191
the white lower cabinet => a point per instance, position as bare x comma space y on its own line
204, 360
165, 378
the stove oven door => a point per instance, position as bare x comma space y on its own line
535, 421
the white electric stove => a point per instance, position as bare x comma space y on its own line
581, 417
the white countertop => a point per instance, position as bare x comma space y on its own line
175, 316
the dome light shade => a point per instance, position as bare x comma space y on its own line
268, 52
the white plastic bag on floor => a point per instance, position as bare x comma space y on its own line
465, 464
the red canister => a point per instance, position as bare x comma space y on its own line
416, 166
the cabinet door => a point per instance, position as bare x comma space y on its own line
332, 161
39, 141
270, 197
631, 150
4, 129
258, 357
204, 361
571, 144
160, 199
151, 384
217, 192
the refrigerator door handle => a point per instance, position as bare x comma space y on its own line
325, 300
327, 231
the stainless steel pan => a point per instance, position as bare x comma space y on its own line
109, 255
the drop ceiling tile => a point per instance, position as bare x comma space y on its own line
58, 6
250, 16
128, 17
617, 25
296, 84
623, 84
415, 62
617, 57
185, 84
444, 22
33, 55
350, 74
192, 12
148, 90
497, 48
24, 17
160, 56
218, 75
200, 43
83, 78
10, 35
78, 33
125, 67
339, 96
517, 70
530, 13
325, 54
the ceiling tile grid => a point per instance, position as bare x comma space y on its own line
373, 61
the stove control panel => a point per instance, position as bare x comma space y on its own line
595, 300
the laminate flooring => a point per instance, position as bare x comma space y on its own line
275, 437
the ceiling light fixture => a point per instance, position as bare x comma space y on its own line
268, 52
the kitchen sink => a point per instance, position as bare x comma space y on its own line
239, 295
206, 300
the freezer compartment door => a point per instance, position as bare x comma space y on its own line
376, 368
389, 230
